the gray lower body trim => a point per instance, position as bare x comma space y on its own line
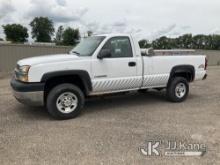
116, 84
30, 98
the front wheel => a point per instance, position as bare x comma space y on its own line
65, 101
178, 89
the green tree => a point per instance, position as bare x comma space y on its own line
209, 42
163, 43
59, 35
144, 43
216, 42
71, 36
15, 32
199, 42
42, 29
185, 41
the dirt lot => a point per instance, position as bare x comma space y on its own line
111, 130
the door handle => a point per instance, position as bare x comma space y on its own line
132, 64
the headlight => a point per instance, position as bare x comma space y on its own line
24, 69
21, 73
23, 78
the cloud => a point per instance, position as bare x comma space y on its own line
174, 33
163, 31
118, 26
6, 8
121, 23
99, 28
6, 11
185, 27
215, 31
55, 10
91, 26
61, 2
169, 30
154, 18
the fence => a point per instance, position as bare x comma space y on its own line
11, 53
212, 55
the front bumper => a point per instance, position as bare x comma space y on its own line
28, 93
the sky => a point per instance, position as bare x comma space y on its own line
145, 19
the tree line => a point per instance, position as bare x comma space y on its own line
42, 30
186, 41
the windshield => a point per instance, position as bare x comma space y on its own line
87, 46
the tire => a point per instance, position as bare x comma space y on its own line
178, 89
65, 101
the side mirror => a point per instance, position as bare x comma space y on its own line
147, 52
151, 52
104, 53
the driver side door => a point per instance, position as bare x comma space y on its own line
118, 71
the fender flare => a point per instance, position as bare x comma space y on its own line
84, 76
183, 69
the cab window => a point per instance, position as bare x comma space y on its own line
119, 47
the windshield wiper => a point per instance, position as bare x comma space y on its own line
76, 52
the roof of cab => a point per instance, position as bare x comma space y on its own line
114, 35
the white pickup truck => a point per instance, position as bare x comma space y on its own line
102, 64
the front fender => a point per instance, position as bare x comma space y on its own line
84, 75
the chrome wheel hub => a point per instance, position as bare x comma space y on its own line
180, 90
67, 102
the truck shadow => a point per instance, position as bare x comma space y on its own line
123, 100
96, 104
32, 113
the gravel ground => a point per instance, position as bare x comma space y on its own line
111, 130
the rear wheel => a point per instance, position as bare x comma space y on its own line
178, 89
65, 101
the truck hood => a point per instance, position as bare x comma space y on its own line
47, 59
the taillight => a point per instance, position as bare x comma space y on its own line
206, 63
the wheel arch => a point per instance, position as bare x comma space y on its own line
69, 75
186, 71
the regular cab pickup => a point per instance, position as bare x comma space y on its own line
102, 64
